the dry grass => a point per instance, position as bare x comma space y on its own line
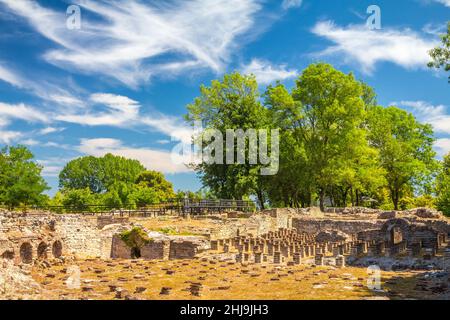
179, 226
222, 280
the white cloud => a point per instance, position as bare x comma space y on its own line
42, 89
356, 43
29, 142
152, 159
10, 77
170, 126
119, 111
22, 112
49, 130
288, 4
266, 73
7, 137
437, 116
444, 2
442, 146
52, 166
131, 35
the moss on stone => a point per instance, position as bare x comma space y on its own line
135, 238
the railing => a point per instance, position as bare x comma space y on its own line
174, 206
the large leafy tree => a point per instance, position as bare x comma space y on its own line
232, 103
405, 148
443, 186
99, 174
20, 178
329, 119
111, 181
292, 186
441, 55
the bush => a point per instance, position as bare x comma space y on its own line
135, 238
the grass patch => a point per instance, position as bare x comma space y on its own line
174, 232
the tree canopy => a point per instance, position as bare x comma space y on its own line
443, 186
441, 55
337, 145
99, 174
20, 178
111, 181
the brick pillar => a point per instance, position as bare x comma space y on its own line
318, 260
340, 261
297, 258
277, 257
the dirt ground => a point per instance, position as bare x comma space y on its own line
209, 279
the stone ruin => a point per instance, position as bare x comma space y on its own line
27, 238
272, 235
415, 239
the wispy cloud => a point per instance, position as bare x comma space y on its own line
159, 160
130, 38
10, 77
118, 111
49, 130
288, 4
442, 146
22, 112
8, 136
436, 115
52, 166
356, 43
43, 89
444, 2
267, 73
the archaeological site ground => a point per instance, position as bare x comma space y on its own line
277, 254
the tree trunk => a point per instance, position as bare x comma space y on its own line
357, 197
260, 199
322, 200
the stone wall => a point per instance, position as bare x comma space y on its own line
314, 225
160, 249
257, 224
25, 237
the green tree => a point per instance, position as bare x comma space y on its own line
293, 185
405, 147
157, 182
79, 199
99, 174
143, 196
20, 178
443, 186
329, 119
441, 55
232, 103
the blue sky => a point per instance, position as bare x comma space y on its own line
122, 81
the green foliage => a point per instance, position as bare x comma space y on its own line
21, 183
135, 238
336, 143
111, 181
156, 181
441, 55
443, 187
99, 174
78, 199
405, 148
232, 103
